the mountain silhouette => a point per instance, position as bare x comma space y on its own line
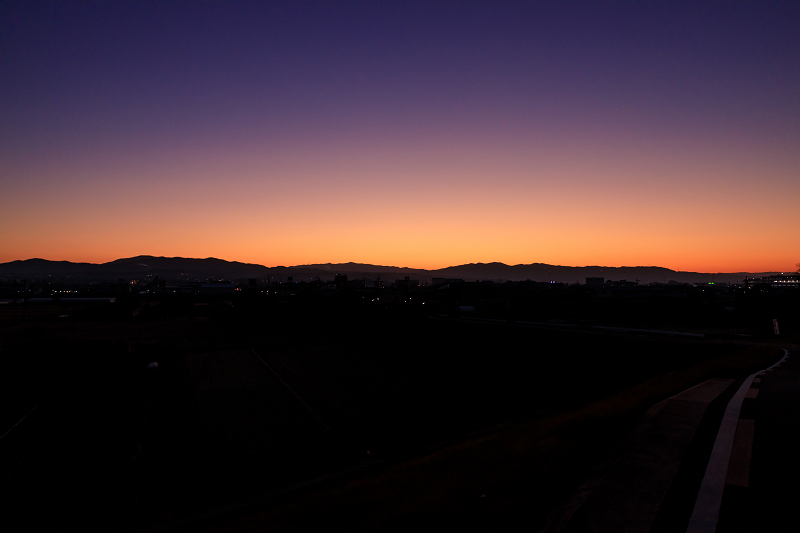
201, 269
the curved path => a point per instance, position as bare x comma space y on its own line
676, 471
709, 498
761, 489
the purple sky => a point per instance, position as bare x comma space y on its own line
420, 133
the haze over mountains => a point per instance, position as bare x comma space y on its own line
200, 269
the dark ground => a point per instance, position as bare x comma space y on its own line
248, 400
769, 502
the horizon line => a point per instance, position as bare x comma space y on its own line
310, 265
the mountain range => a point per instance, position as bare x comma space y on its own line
142, 266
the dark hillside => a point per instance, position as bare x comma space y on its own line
200, 269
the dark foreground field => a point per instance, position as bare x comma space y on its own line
294, 419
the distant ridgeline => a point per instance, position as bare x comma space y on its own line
145, 266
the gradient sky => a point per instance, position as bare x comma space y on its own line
421, 134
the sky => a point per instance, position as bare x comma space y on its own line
418, 134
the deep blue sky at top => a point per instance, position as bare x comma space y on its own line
144, 72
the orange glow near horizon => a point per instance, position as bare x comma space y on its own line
419, 207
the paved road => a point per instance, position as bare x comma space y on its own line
642, 487
763, 484
723, 456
